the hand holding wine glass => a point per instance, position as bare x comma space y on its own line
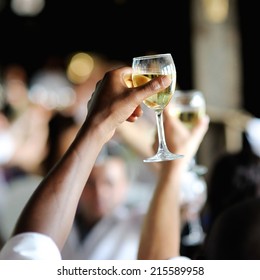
146, 68
189, 106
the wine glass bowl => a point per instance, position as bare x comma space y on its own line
145, 68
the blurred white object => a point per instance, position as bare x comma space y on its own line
193, 196
52, 90
27, 7
253, 135
193, 189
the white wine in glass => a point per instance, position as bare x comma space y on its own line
146, 68
189, 106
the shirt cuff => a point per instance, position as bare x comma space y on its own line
30, 246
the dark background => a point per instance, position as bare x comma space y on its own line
121, 30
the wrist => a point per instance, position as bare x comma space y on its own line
100, 129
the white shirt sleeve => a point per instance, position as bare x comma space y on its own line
180, 258
30, 246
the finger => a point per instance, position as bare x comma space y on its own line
136, 114
138, 111
132, 118
202, 127
152, 87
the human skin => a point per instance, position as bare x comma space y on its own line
160, 236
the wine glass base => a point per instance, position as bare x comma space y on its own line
162, 156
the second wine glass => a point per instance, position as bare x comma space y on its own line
146, 68
189, 106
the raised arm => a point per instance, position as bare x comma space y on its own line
52, 207
160, 238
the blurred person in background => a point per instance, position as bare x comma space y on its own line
235, 177
27, 124
15, 90
234, 235
106, 227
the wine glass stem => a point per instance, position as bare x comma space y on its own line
160, 128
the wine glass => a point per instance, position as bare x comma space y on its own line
189, 106
146, 68
193, 194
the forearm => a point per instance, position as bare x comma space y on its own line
164, 213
